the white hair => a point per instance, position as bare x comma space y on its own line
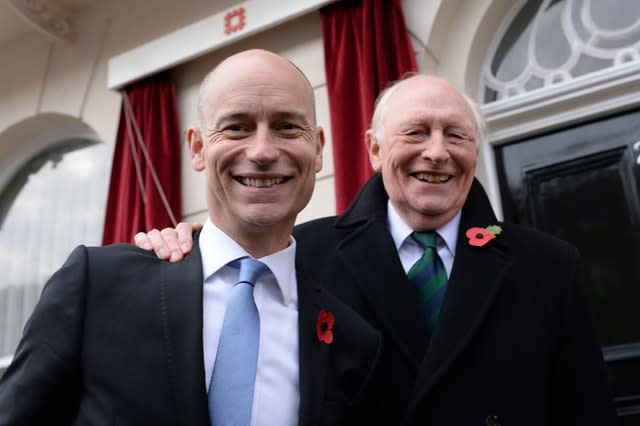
380, 108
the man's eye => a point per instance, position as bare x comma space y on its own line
235, 130
288, 129
457, 136
416, 133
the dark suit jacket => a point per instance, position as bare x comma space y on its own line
116, 339
514, 344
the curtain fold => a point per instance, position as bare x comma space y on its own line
366, 46
145, 187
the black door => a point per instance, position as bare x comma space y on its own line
582, 184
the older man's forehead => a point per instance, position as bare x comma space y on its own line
412, 104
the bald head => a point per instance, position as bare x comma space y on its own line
250, 65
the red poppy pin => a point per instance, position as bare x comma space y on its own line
478, 237
325, 323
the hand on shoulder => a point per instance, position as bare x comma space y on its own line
170, 244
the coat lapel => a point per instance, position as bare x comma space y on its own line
374, 266
370, 255
477, 275
313, 356
340, 370
181, 309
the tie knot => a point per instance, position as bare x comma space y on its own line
250, 269
425, 239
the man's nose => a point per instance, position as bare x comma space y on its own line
435, 148
262, 149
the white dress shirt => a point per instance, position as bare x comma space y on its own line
276, 394
410, 251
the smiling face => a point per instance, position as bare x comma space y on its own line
426, 150
259, 146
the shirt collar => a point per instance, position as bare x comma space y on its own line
400, 230
218, 249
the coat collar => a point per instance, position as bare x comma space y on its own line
370, 204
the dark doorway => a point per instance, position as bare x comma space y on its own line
582, 184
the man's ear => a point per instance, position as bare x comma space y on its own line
196, 147
373, 148
319, 147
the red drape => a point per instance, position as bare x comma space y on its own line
135, 201
366, 46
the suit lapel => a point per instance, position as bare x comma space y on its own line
340, 370
313, 357
477, 275
181, 309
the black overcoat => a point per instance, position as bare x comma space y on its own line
514, 345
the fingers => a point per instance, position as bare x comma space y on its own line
169, 244
142, 241
170, 238
153, 240
185, 239
160, 243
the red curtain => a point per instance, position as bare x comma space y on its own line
144, 191
366, 46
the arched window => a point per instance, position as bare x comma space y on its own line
551, 41
53, 203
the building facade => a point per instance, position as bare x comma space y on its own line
558, 81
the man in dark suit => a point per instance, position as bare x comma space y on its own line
513, 341
121, 338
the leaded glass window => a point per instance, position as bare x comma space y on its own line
546, 42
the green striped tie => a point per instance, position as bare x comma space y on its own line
429, 277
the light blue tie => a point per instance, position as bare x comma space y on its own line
234, 372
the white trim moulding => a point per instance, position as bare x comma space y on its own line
203, 37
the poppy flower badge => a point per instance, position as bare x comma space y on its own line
479, 237
324, 327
